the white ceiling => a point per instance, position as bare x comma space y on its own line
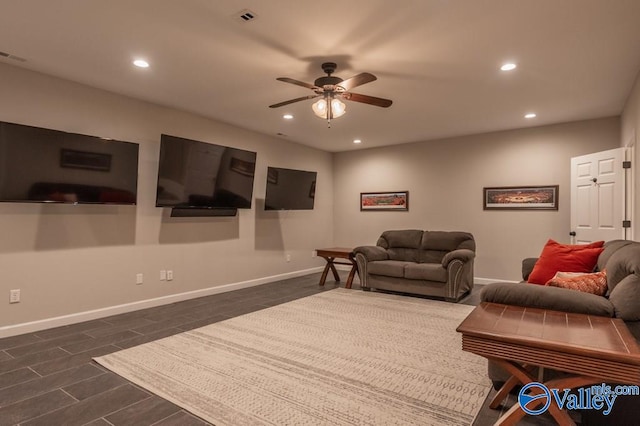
438, 60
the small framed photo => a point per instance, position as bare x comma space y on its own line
384, 201
521, 198
243, 167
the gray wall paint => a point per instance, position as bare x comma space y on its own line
445, 180
68, 259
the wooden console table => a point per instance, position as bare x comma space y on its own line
594, 349
330, 255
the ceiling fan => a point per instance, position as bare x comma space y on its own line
331, 90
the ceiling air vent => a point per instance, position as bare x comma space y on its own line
245, 15
10, 56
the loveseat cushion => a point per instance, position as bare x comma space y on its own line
388, 268
543, 297
446, 241
402, 244
405, 238
426, 271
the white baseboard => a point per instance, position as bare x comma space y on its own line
29, 327
477, 280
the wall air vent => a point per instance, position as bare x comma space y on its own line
245, 15
10, 56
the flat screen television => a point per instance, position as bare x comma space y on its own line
194, 174
290, 189
51, 166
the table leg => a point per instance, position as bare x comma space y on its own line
519, 374
352, 273
325, 271
524, 375
333, 269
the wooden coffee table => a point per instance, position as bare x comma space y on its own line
330, 255
593, 349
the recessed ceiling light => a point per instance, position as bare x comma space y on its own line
357, 141
141, 63
508, 66
530, 115
287, 117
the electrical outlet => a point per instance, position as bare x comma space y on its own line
139, 278
169, 275
14, 296
313, 253
287, 257
163, 275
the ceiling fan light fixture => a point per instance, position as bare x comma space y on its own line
320, 108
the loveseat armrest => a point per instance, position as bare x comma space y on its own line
372, 253
545, 297
527, 266
463, 255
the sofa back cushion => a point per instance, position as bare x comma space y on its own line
401, 244
610, 247
435, 244
624, 262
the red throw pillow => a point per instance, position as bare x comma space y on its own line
565, 257
588, 283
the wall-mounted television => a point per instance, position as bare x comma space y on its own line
290, 189
194, 174
51, 166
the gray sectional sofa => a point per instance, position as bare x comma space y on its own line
430, 263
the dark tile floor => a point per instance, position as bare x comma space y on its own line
49, 378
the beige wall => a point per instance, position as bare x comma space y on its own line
445, 180
68, 259
630, 125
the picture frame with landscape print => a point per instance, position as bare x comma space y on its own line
384, 201
521, 198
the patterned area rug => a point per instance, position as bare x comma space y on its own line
341, 357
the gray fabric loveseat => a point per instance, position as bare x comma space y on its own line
621, 260
430, 263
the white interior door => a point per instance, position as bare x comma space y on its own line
598, 196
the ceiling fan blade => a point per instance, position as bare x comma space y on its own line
303, 98
365, 99
297, 83
357, 80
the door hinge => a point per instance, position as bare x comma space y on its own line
626, 224
626, 164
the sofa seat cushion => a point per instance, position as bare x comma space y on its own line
389, 268
426, 271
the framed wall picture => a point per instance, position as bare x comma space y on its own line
384, 201
85, 160
521, 198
